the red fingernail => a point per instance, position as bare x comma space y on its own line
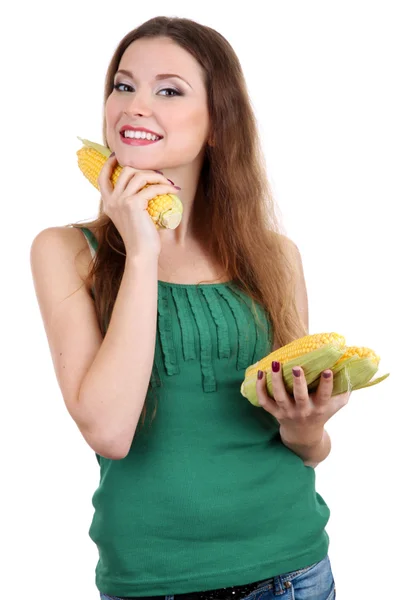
112, 154
171, 182
275, 366
260, 374
326, 374
177, 187
296, 372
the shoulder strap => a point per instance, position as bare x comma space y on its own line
91, 240
92, 243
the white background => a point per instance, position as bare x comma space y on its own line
324, 81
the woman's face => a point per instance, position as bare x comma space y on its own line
147, 95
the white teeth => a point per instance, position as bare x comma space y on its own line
140, 135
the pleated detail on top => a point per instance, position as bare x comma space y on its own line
165, 331
211, 296
242, 361
207, 370
190, 303
260, 346
186, 323
155, 379
195, 307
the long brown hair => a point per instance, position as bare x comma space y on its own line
245, 231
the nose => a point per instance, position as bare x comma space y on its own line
139, 105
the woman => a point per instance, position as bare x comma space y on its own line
211, 497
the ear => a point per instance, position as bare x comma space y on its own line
210, 138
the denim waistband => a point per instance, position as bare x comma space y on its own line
236, 592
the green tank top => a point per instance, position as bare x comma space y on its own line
208, 496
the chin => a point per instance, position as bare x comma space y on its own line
140, 165
134, 159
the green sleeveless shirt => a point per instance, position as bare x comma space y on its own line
208, 496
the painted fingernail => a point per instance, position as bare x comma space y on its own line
275, 366
112, 154
171, 182
326, 374
161, 173
177, 187
296, 372
260, 374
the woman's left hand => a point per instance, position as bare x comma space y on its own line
302, 415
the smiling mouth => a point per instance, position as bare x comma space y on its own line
128, 141
140, 135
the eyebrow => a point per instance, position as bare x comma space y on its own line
157, 77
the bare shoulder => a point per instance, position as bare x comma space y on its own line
68, 241
300, 286
289, 246
58, 258
292, 253
294, 258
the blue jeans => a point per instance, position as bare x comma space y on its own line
315, 582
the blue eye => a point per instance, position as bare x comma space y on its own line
116, 87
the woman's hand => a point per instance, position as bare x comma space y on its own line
302, 416
126, 205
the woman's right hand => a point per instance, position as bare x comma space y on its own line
126, 205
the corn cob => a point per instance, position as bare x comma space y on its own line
360, 352
352, 367
165, 209
312, 363
354, 370
297, 348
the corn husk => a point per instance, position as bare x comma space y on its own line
312, 363
349, 374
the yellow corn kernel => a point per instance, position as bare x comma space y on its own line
360, 352
165, 209
90, 162
352, 366
355, 369
297, 349
312, 363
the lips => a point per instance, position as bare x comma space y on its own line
130, 128
137, 141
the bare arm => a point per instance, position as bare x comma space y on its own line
312, 452
103, 381
114, 389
